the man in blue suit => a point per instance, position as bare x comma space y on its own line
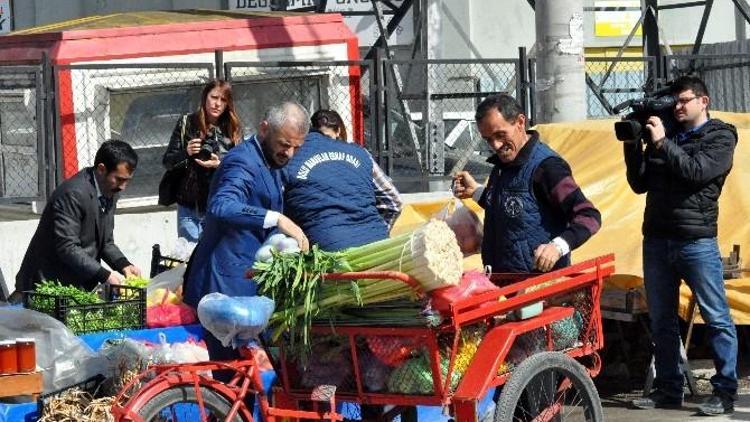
245, 205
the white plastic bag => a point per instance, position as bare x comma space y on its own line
64, 358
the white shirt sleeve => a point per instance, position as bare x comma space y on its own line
271, 219
562, 245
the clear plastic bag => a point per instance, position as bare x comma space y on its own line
234, 320
466, 225
64, 358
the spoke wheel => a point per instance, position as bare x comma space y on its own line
549, 386
180, 404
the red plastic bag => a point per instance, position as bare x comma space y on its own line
472, 283
392, 350
169, 314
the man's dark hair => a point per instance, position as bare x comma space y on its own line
694, 83
506, 105
113, 152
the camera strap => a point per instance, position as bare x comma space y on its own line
182, 132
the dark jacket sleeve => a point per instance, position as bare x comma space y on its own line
635, 164
66, 226
554, 181
175, 155
714, 158
111, 254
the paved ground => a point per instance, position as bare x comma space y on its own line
617, 407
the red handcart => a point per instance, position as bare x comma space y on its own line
543, 366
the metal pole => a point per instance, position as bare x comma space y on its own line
522, 81
651, 35
561, 75
219, 63
739, 25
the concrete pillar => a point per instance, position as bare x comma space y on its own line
560, 72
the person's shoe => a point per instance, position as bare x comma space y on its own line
658, 400
718, 404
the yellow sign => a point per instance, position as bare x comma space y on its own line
618, 19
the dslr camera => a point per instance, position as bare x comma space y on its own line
633, 127
210, 145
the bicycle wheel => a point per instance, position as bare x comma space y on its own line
179, 404
549, 386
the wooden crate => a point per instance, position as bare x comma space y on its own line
28, 384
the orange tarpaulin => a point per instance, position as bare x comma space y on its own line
595, 156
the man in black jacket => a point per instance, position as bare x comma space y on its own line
683, 177
75, 231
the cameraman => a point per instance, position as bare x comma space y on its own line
198, 142
683, 177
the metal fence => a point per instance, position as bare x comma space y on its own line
727, 77
343, 86
138, 103
430, 128
415, 117
611, 81
23, 153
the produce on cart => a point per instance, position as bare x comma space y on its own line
358, 327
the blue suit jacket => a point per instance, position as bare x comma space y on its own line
243, 189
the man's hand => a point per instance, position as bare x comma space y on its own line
211, 163
546, 256
464, 185
656, 127
193, 147
131, 271
292, 230
115, 278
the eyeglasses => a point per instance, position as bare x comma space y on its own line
683, 101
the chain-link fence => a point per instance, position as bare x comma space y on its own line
343, 86
431, 128
415, 117
727, 77
138, 103
611, 81
22, 146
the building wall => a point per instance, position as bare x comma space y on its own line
496, 28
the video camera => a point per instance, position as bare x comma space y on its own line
210, 145
660, 103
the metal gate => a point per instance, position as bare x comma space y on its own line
25, 153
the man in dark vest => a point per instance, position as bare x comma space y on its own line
75, 231
682, 177
535, 213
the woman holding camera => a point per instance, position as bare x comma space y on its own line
196, 147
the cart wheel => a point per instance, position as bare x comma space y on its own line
549, 386
179, 403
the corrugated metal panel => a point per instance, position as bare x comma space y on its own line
725, 68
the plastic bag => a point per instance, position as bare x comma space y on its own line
466, 225
170, 280
184, 352
234, 320
167, 314
472, 283
64, 358
124, 358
